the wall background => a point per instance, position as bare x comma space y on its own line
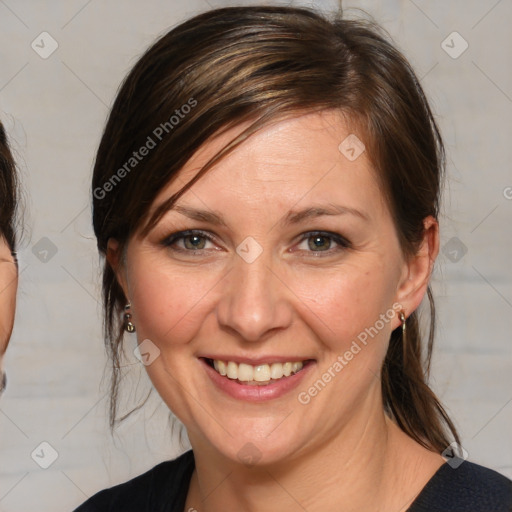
54, 110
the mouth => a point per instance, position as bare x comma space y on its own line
257, 375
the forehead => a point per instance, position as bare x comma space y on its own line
314, 157
280, 143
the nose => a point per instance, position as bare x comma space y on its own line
255, 301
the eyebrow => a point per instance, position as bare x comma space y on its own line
291, 218
294, 217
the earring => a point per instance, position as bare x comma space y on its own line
403, 320
128, 325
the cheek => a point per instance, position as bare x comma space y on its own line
168, 305
348, 304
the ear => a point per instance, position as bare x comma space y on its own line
418, 268
115, 260
8, 288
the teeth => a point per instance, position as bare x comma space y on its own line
220, 366
296, 367
276, 371
232, 371
245, 372
261, 373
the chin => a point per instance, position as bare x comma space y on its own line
253, 445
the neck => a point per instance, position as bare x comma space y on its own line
368, 466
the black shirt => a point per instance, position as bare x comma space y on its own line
468, 488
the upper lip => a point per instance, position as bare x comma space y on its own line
256, 361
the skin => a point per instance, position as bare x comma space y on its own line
8, 287
293, 300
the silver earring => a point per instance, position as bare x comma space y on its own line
128, 325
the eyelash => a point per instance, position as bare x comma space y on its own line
342, 242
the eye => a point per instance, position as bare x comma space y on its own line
194, 241
321, 241
188, 241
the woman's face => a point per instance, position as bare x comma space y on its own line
8, 286
289, 255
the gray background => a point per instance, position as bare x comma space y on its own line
55, 109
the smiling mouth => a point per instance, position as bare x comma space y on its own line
259, 375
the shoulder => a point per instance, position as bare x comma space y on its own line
465, 488
164, 487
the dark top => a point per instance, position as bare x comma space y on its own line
467, 488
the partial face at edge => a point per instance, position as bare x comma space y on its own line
8, 288
267, 285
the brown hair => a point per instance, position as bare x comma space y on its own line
259, 64
8, 191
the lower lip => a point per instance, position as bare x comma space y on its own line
257, 393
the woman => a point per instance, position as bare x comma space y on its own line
266, 194
8, 263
